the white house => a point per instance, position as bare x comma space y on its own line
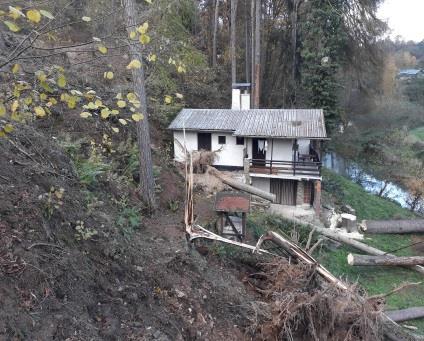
279, 149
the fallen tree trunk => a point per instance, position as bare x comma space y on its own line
295, 251
353, 259
405, 314
351, 242
241, 186
393, 226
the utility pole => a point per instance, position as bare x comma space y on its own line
233, 41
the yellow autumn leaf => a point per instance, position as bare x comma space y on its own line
53, 100
61, 80
72, 102
148, 1
85, 114
8, 128
41, 76
99, 103
46, 14
143, 28
105, 113
102, 48
115, 130
131, 96
134, 64
86, 19
39, 112
133, 35
15, 12
179, 96
33, 15
114, 112
151, 58
168, 99
2, 110
28, 100
137, 117
12, 26
43, 96
118, 95
91, 106
144, 39
16, 68
122, 121
14, 106
121, 104
108, 75
2, 133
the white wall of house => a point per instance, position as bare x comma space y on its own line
282, 151
229, 154
191, 144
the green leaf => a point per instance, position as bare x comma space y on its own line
46, 14
12, 26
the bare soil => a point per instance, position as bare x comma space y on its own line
53, 286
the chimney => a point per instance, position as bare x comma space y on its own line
241, 96
236, 103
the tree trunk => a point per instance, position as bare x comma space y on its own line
257, 74
233, 41
393, 226
252, 51
354, 260
147, 182
241, 186
215, 32
405, 314
351, 242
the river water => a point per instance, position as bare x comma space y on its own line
353, 171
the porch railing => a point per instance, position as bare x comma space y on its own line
306, 168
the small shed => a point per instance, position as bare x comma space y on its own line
232, 209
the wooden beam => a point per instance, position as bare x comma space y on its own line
405, 314
393, 226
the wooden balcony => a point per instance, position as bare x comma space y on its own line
301, 168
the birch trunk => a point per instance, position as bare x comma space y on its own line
215, 32
147, 182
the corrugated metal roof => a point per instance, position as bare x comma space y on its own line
255, 122
409, 72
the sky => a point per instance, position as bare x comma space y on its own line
405, 18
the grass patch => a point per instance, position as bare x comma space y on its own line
418, 133
375, 280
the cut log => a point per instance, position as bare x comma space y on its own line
386, 260
393, 226
405, 314
351, 242
241, 186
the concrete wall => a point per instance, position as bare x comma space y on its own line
230, 154
262, 183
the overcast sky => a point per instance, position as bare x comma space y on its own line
405, 18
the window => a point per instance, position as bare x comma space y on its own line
222, 140
240, 140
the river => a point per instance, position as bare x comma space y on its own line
353, 171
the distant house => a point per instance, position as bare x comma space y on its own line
406, 74
279, 149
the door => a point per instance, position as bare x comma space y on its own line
204, 141
258, 152
285, 191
